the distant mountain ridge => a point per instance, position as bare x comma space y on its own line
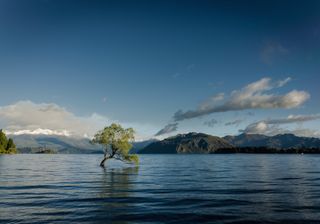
139, 145
181, 143
282, 141
31, 143
203, 143
27, 143
187, 143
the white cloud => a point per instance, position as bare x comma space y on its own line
283, 82
39, 131
260, 127
29, 117
273, 126
211, 101
253, 96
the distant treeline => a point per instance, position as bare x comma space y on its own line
267, 150
7, 146
37, 150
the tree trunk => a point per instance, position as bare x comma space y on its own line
103, 161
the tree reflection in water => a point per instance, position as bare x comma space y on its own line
117, 194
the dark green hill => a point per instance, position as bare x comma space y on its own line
187, 143
283, 141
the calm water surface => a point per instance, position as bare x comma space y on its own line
234, 188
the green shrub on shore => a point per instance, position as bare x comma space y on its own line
7, 146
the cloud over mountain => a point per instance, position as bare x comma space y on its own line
167, 129
47, 118
273, 126
39, 131
255, 95
27, 117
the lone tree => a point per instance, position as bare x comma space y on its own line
116, 142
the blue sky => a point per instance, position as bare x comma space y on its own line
139, 62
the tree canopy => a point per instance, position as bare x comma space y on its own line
116, 141
7, 146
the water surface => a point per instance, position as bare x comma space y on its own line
231, 188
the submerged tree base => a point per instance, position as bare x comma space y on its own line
103, 161
128, 159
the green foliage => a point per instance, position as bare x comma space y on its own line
133, 158
9, 151
6, 146
3, 139
116, 141
2, 149
10, 144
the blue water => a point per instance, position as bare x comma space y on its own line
232, 188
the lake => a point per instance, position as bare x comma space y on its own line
218, 188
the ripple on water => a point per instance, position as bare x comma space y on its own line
163, 189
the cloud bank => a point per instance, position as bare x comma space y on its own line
39, 131
273, 126
253, 96
27, 117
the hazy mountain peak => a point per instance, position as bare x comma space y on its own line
39, 131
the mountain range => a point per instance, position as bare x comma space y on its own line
29, 143
203, 143
282, 141
187, 143
181, 143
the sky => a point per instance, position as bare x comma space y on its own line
161, 67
